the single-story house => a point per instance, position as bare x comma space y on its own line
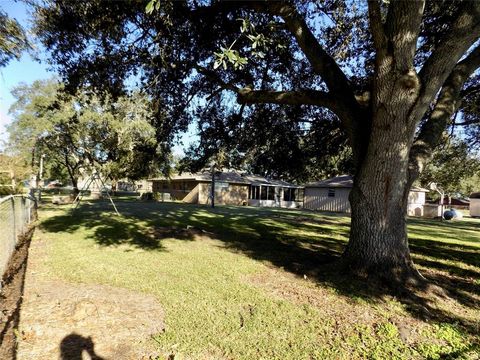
332, 195
475, 204
231, 188
458, 202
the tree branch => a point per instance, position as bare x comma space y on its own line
376, 27
299, 97
470, 90
296, 97
401, 29
447, 104
214, 77
322, 63
470, 122
463, 34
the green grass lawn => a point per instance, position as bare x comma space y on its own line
250, 283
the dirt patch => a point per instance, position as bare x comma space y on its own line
290, 287
11, 296
61, 320
343, 313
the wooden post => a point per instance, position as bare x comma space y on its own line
213, 186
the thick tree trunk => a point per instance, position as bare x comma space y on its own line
378, 243
75, 190
114, 186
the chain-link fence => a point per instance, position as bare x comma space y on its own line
16, 213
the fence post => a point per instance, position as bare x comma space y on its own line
16, 212
29, 211
14, 220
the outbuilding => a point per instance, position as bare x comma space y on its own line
475, 204
329, 195
332, 195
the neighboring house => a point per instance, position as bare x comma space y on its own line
134, 186
433, 209
332, 195
231, 188
143, 186
465, 203
475, 204
453, 202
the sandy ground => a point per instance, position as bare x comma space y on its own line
59, 320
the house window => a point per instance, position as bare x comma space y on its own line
219, 185
254, 192
289, 194
263, 192
331, 192
271, 193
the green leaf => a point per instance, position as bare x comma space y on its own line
150, 7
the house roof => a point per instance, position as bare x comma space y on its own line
455, 201
346, 181
475, 195
260, 180
228, 176
342, 181
419, 189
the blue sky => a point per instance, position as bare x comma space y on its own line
25, 70
28, 70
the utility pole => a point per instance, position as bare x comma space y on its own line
41, 166
213, 185
434, 186
40, 177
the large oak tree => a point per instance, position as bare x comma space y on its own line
394, 74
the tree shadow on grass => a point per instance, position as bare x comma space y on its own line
300, 242
109, 229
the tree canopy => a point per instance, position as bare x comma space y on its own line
82, 132
203, 53
13, 40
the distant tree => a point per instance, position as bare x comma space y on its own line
13, 170
393, 72
30, 112
13, 40
453, 167
470, 185
82, 132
